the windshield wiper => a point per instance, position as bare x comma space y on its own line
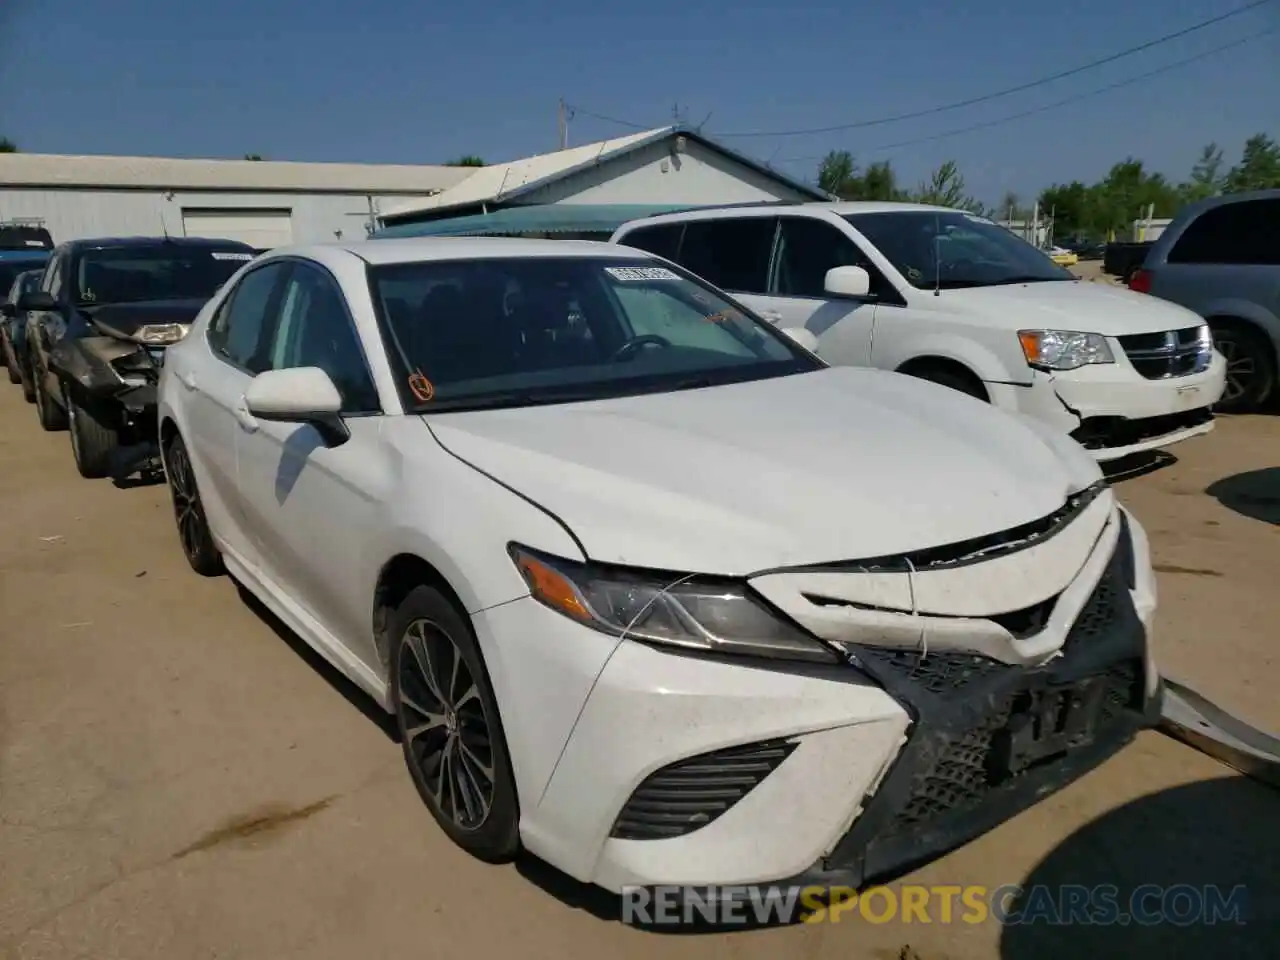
1029, 278
508, 399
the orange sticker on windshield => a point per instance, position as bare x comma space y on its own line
421, 387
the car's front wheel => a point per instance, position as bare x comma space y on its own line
449, 726
51, 416
94, 438
188, 511
1251, 366
10, 361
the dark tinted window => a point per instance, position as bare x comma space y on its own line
664, 240
732, 254
9, 271
807, 249
315, 330
240, 330
53, 277
161, 272
1235, 233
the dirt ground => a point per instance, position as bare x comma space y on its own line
181, 779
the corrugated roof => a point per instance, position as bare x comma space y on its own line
500, 179
547, 218
55, 170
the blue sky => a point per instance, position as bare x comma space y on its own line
402, 81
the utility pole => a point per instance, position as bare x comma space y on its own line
564, 126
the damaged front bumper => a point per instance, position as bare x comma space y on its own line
1113, 411
111, 369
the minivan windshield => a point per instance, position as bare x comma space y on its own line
508, 332
949, 249
135, 274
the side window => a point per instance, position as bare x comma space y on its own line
664, 239
1234, 233
244, 321
315, 330
807, 249
732, 254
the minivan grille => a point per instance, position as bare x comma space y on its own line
1173, 353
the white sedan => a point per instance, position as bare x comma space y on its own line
651, 591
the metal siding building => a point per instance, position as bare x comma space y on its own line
265, 203
666, 166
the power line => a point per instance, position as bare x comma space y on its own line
1060, 103
600, 116
984, 98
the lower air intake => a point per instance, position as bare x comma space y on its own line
688, 794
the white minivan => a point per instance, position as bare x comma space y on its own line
955, 298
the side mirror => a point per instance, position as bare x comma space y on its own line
852, 282
8, 309
37, 300
299, 395
803, 337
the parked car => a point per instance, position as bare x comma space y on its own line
13, 333
1063, 257
951, 297
13, 263
98, 330
651, 590
1221, 258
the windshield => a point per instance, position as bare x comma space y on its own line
160, 272
514, 332
949, 249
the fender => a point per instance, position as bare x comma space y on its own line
969, 352
1249, 310
87, 361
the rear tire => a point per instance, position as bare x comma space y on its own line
188, 511
1251, 365
51, 416
449, 726
94, 438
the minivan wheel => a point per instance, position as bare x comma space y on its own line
449, 726
188, 511
1251, 366
94, 439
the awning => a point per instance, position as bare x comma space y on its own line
547, 218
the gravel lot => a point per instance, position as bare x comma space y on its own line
179, 778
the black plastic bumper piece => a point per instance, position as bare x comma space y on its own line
1107, 433
990, 740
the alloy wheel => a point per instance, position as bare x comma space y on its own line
444, 725
186, 501
1241, 368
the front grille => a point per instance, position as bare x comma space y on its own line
1105, 433
688, 794
1172, 353
966, 770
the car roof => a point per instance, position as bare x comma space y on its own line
419, 249
841, 208
115, 243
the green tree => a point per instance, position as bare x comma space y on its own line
253, 156
1206, 176
1073, 207
839, 175
945, 188
8, 146
470, 160
1259, 166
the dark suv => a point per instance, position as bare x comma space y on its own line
97, 332
1221, 258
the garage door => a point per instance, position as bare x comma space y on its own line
258, 228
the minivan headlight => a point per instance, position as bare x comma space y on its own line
695, 613
1064, 349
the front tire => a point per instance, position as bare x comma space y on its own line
449, 726
51, 416
94, 438
188, 511
10, 361
1251, 366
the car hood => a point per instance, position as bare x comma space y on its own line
126, 318
1086, 307
839, 464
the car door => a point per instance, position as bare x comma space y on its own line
807, 248
213, 375
45, 327
734, 254
309, 505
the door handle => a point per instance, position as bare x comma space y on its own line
247, 421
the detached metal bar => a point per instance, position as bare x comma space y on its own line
1189, 717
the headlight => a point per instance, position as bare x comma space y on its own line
694, 613
1064, 349
162, 332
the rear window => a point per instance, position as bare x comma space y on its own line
1234, 233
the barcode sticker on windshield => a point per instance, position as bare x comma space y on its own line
641, 273
233, 256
